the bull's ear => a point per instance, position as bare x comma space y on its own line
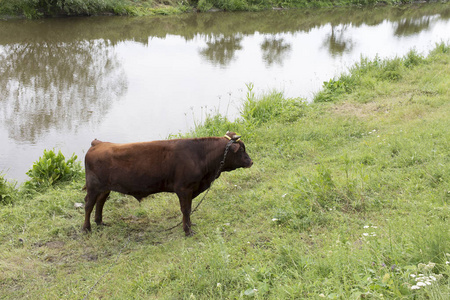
235, 147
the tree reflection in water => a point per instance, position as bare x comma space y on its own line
411, 26
337, 42
57, 86
274, 50
221, 49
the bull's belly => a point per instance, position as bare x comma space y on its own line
141, 190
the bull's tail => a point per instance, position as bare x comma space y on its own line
95, 142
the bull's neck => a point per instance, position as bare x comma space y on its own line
214, 154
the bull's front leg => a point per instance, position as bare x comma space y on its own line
185, 205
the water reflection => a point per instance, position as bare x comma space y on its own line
410, 26
221, 50
51, 85
275, 50
337, 42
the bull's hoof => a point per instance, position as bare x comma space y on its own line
190, 233
86, 229
102, 224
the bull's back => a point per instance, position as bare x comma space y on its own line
131, 167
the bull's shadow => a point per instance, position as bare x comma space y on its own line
155, 220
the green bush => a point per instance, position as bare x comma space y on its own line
52, 168
413, 59
256, 111
214, 125
332, 89
366, 71
7, 191
440, 48
39, 8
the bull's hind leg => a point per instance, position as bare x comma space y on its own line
101, 199
90, 200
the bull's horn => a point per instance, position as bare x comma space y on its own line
236, 137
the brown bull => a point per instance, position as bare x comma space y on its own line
186, 167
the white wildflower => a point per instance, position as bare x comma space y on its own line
365, 234
420, 283
431, 265
367, 226
218, 284
322, 295
415, 287
413, 275
275, 219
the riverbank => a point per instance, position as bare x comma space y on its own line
348, 199
37, 9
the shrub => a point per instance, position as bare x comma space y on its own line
51, 168
413, 59
273, 106
38, 8
7, 191
332, 89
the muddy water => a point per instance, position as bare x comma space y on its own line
64, 82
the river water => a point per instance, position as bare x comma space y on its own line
64, 82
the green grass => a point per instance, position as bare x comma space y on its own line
50, 8
347, 199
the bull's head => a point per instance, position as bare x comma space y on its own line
232, 136
239, 157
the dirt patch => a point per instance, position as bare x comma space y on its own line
358, 110
55, 244
90, 257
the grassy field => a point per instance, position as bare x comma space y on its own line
348, 199
50, 8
